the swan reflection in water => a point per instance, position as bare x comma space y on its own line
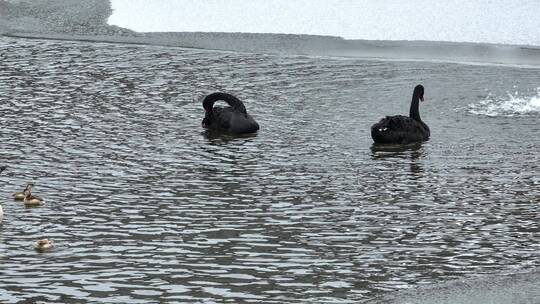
219, 136
411, 152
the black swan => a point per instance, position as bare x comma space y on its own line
401, 129
233, 118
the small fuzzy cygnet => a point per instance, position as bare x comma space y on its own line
31, 200
43, 245
19, 196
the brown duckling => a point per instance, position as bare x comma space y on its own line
43, 245
31, 200
19, 196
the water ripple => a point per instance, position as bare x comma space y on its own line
144, 205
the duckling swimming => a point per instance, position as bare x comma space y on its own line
31, 200
43, 245
19, 196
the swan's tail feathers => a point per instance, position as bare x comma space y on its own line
387, 130
377, 131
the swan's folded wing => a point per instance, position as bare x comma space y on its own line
393, 123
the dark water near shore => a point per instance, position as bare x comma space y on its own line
144, 206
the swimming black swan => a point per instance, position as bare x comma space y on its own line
233, 118
401, 129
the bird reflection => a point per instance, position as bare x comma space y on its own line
413, 152
218, 137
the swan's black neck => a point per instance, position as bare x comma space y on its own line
235, 103
414, 112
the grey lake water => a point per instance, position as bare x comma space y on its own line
144, 206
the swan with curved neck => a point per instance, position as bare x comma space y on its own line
233, 119
401, 129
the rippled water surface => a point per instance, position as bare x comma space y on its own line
144, 206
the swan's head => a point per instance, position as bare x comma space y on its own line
419, 92
29, 186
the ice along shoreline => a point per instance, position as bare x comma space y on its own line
87, 21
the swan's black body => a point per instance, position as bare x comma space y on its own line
233, 119
402, 129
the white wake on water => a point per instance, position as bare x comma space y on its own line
510, 105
